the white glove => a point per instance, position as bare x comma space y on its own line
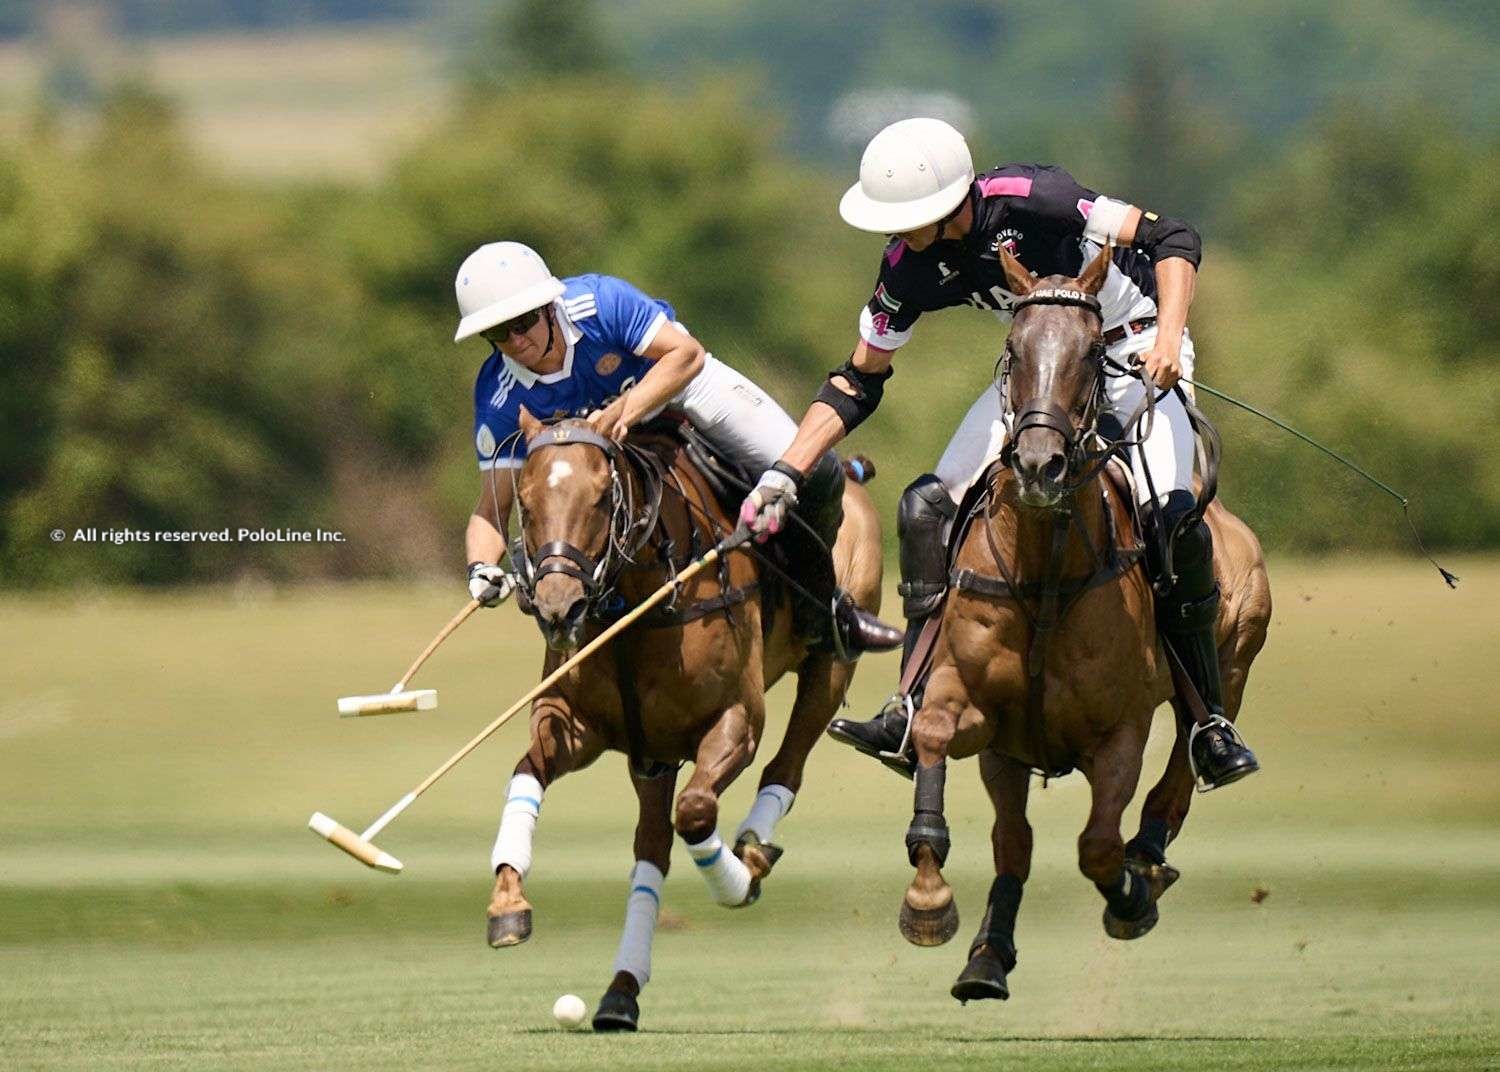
764, 509
490, 584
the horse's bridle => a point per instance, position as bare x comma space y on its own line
1048, 414
628, 529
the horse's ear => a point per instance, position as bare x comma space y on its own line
1093, 277
530, 426
1017, 279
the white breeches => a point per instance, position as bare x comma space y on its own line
737, 417
1168, 451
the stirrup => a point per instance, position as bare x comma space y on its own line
903, 700
1199, 784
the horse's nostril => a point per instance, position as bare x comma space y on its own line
1055, 469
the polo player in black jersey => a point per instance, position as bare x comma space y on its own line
947, 226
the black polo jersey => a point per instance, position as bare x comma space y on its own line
1036, 211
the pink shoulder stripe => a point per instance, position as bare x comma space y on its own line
1005, 186
895, 253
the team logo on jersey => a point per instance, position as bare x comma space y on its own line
1008, 240
607, 364
484, 439
885, 300
947, 275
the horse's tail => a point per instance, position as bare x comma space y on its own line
859, 469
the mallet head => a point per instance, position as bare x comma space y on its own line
387, 703
353, 844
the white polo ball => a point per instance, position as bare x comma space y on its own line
569, 1010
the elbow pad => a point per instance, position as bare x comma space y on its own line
869, 387
1161, 237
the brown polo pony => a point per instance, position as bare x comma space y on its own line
1047, 657
609, 524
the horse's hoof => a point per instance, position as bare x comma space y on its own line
759, 856
617, 1011
512, 928
1126, 929
982, 978
929, 926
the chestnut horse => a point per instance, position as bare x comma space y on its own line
603, 525
1047, 656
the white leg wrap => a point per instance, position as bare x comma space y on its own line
523, 803
728, 879
770, 807
641, 909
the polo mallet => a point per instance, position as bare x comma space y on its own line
362, 849
399, 698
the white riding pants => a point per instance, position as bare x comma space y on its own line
737, 417
1168, 451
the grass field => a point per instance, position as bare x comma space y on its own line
163, 906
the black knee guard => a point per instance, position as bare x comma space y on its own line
923, 521
927, 822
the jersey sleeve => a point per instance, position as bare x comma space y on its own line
497, 424
626, 317
887, 319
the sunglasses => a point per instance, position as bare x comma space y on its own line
519, 325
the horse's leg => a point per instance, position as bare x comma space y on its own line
821, 683
1113, 771
618, 1009
726, 749
993, 953
559, 743
1166, 807
929, 915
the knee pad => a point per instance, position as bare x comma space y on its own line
924, 520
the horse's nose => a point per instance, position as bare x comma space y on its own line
560, 601
1040, 467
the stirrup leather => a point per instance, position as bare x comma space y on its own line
1228, 727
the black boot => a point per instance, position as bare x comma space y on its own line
1187, 617
884, 736
834, 622
923, 521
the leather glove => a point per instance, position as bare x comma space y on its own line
764, 510
490, 584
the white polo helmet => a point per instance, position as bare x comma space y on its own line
498, 281
913, 173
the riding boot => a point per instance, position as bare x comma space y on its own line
923, 522
830, 620
1187, 616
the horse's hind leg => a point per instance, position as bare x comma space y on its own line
559, 743
1166, 807
726, 749
618, 1009
821, 683
1113, 771
993, 952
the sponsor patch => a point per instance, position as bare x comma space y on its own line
886, 300
484, 439
1008, 240
607, 364
946, 274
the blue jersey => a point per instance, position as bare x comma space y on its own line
606, 324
